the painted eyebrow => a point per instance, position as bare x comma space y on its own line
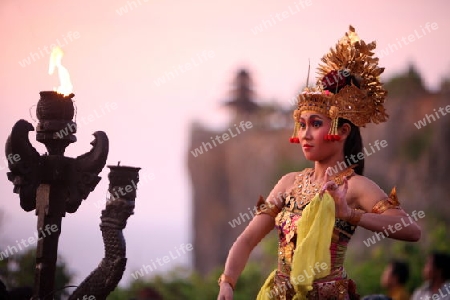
313, 116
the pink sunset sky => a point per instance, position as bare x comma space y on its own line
117, 51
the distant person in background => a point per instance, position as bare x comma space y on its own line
436, 273
394, 279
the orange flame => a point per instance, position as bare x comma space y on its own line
65, 87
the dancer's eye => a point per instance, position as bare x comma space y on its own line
317, 123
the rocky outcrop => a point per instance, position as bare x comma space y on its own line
228, 179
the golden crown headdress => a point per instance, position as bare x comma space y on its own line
348, 86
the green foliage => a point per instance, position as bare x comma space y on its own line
176, 286
184, 284
130, 292
181, 284
120, 294
440, 235
365, 268
366, 271
18, 271
250, 282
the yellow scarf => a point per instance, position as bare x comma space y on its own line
312, 259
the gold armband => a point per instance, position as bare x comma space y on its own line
263, 207
387, 203
227, 279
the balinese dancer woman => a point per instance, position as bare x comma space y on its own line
317, 210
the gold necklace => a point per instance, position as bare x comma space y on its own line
306, 189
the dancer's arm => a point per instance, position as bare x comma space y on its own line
256, 230
393, 222
363, 194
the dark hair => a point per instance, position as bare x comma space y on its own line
353, 145
400, 270
441, 262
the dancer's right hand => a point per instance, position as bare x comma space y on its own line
226, 292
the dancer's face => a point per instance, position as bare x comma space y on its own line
313, 128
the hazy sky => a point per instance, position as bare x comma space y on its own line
163, 64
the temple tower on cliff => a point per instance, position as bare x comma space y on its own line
227, 178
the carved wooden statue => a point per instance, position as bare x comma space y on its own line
53, 185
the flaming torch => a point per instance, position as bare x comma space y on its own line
52, 184
55, 110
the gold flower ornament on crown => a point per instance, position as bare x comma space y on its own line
348, 87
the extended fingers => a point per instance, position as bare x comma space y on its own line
345, 184
330, 186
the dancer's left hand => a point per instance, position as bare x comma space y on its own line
339, 193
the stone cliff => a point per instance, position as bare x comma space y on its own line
228, 178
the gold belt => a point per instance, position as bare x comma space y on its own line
339, 289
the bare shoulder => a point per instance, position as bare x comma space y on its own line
365, 192
289, 178
283, 186
360, 182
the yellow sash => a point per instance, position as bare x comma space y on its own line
312, 259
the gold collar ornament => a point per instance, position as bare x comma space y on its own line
348, 87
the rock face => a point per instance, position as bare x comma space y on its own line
227, 181
229, 177
418, 135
